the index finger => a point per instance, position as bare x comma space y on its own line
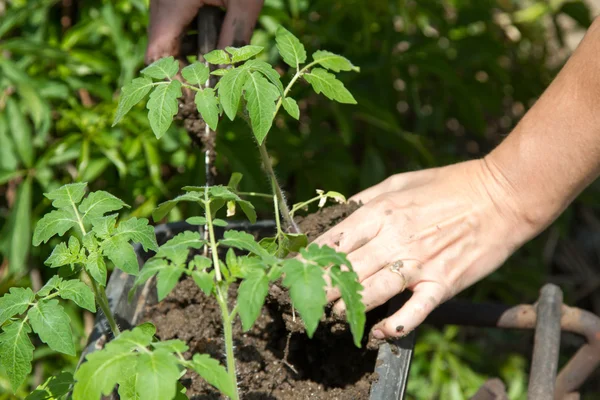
239, 22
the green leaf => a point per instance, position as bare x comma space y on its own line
67, 195
208, 107
8, 158
230, 90
180, 243
234, 181
138, 231
219, 222
101, 372
157, 375
239, 54
204, 280
121, 253
307, 291
324, 256
16, 352
103, 227
267, 70
163, 106
164, 68
98, 203
214, 373
196, 221
245, 241
196, 73
347, 282
326, 83
248, 210
164, 208
79, 293
219, 72
51, 285
333, 62
291, 107
260, 95
96, 266
150, 268
54, 388
172, 346
53, 326
54, 223
19, 240
290, 48
217, 57
251, 297
167, 280
132, 94
21, 132
63, 255
128, 384
15, 302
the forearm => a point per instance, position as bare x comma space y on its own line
554, 152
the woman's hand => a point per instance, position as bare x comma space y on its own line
434, 232
170, 18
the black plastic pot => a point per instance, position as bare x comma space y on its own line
393, 359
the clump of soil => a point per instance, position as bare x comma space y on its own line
327, 367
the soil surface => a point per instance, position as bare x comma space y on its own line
327, 367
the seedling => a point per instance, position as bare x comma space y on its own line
135, 361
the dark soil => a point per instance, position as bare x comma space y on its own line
327, 367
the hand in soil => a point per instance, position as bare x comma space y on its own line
169, 20
434, 232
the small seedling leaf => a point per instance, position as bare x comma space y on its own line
67, 195
15, 302
245, 241
326, 83
121, 253
204, 280
54, 388
63, 254
267, 70
157, 375
164, 208
217, 57
96, 204
333, 61
230, 90
239, 54
213, 373
196, 73
180, 244
172, 346
307, 290
53, 326
208, 107
291, 107
347, 282
196, 221
324, 256
78, 292
165, 68
16, 352
96, 266
167, 280
56, 222
251, 297
260, 95
131, 94
162, 107
290, 48
46, 289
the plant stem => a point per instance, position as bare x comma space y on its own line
211, 235
102, 301
285, 211
228, 333
302, 205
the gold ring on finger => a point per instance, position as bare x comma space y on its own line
395, 267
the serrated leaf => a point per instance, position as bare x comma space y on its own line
16, 352
196, 221
128, 384
196, 73
96, 266
54, 388
53, 326
132, 94
15, 302
164, 208
121, 253
48, 287
214, 373
78, 292
167, 280
217, 57
350, 288
230, 90
326, 83
260, 95
56, 222
104, 227
67, 195
239, 54
291, 50
180, 243
137, 230
291, 107
101, 372
150, 268
251, 297
64, 255
164, 68
219, 72
138, 337
333, 61
157, 375
245, 241
208, 107
324, 256
267, 70
163, 106
204, 280
172, 346
307, 291
98, 203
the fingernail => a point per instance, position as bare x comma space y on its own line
377, 334
399, 328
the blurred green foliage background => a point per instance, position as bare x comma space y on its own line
441, 81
